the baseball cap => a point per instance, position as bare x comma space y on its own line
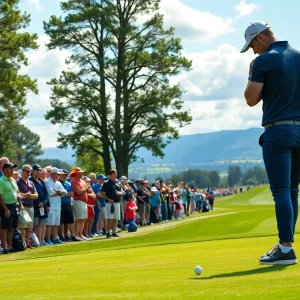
9, 165
123, 178
55, 170
153, 189
101, 176
252, 31
64, 171
36, 167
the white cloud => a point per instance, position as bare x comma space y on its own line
43, 65
245, 9
216, 74
192, 24
36, 3
213, 115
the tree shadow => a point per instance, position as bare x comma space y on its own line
260, 270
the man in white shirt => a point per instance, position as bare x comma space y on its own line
55, 191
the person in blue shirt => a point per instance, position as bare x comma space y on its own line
67, 219
274, 79
99, 223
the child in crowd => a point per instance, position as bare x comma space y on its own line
131, 208
178, 205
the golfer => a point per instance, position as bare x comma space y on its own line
274, 78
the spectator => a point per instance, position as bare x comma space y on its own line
93, 182
81, 191
41, 205
48, 171
67, 218
100, 224
111, 192
188, 199
3, 160
164, 211
147, 202
29, 194
43, 174
15, 175
141, 201
90, 211
55, 191
183, 193
130, 210
92, 177
9, 197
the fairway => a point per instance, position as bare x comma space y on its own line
158, 262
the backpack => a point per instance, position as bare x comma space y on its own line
34, 241
205, 206
18, 241
132, 227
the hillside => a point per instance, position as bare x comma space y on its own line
207, 148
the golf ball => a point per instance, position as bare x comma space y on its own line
198, 270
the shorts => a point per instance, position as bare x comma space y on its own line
12, 221
38, 221
30, 211
115, 215
102, 213
53, 218
147, 209
141, 209
80, 210
67, 214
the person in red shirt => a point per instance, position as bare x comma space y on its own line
90, 211
131, 208
81, 192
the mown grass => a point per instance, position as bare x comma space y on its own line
159, 264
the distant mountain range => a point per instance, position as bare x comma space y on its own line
226, 145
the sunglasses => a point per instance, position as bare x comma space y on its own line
27, 171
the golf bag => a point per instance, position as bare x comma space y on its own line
18, 241
132, 227
205, 206
34, 241
153, 216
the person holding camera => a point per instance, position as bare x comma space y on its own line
111, 192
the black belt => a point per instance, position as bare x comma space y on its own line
284, 122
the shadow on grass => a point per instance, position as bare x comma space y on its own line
260, 270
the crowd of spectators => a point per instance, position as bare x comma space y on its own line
68, 206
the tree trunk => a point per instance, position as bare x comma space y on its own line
104, 129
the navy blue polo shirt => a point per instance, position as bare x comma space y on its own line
41, 190
279, 69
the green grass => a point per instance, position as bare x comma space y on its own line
158, 262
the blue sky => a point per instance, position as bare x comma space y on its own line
212, 34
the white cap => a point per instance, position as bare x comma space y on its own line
153, 189
252, 31
55, 170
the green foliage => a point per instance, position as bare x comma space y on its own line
255, 175
14, 86
112, 51
197, 178
234, 175
54, 163
89, 159
14, 41
28, 145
